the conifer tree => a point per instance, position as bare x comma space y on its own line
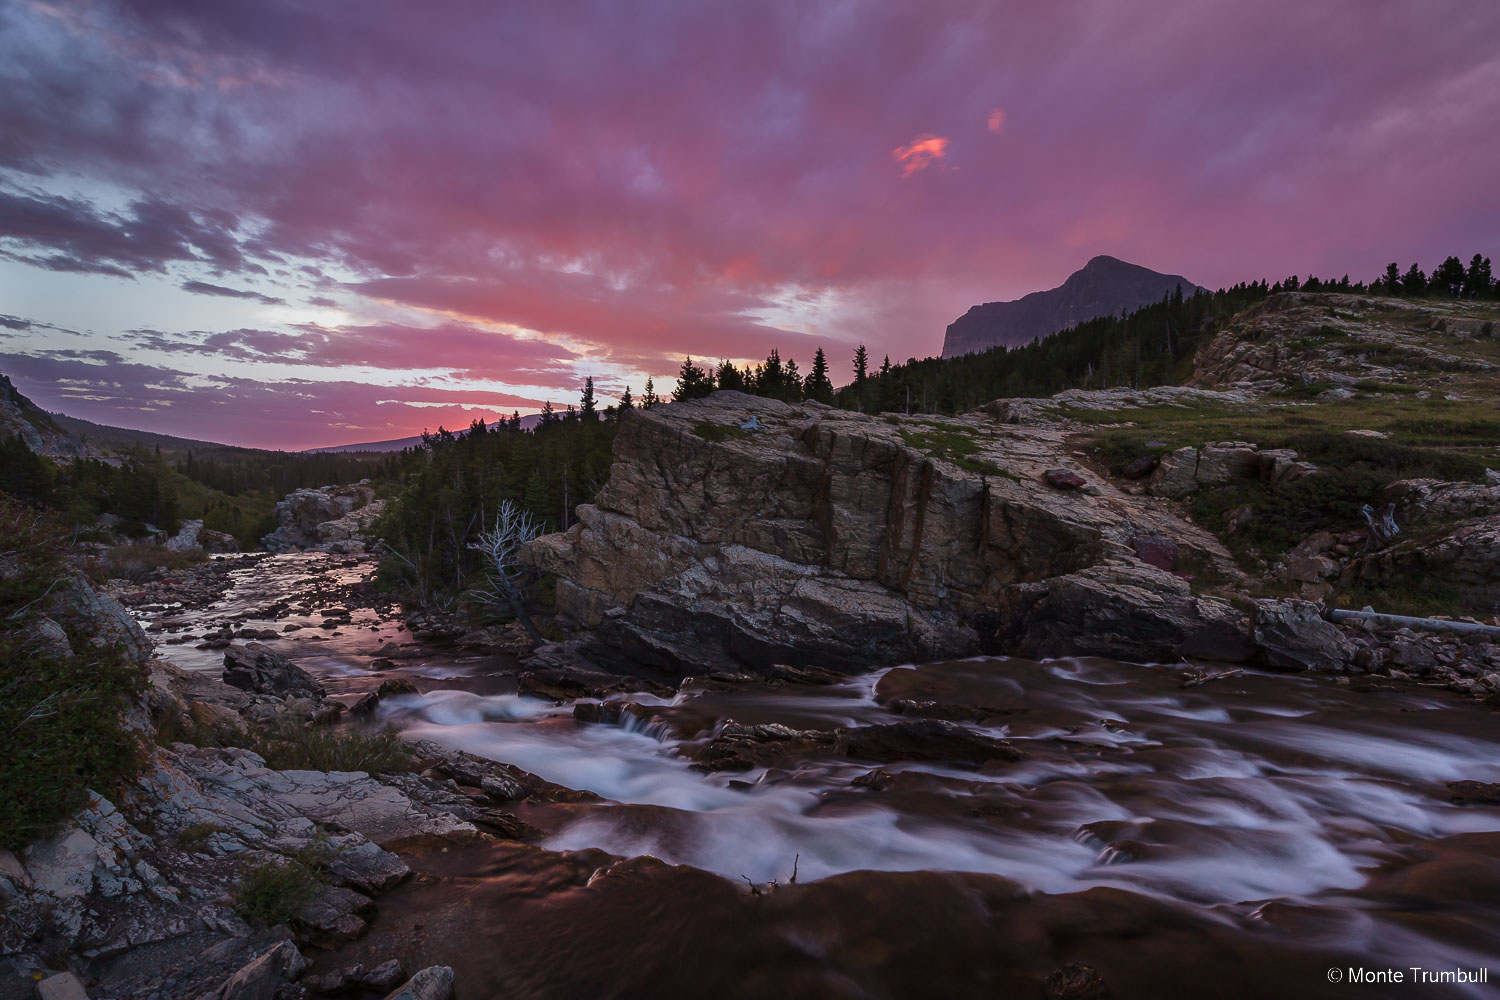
626, 402
1478, 281
587, 408
1414, 282
692, 382
650, 399
1391, 281
793, 382
730, 377
861, 365
1448, 278
817, 385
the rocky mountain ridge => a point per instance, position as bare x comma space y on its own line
1105, 286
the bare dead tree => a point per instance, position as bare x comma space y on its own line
505, 575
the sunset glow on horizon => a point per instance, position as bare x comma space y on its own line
293, 225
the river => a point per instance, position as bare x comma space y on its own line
1291, 816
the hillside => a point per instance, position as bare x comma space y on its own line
1105, 286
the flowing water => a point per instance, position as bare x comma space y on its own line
1296, 802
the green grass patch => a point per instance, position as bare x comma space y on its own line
1367, 385
292, 746
710, 431
195, 837
955, 445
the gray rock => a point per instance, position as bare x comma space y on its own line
1291, 635
260, 979
63, 986
432, 983
101, 617
254, 667
384, 976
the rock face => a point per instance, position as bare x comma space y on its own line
835, 539
20, 417
1104, 286
322, 517
103, 617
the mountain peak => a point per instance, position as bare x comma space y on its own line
1104, 286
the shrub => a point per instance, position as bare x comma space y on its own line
61, 731
292, 746
275, 890
194, 838
136, 562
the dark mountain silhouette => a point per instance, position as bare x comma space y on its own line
1104, 286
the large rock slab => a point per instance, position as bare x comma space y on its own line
828, 538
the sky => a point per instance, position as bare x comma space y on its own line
294, 223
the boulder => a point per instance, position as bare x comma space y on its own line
432, 983
63, 986
254, 667
1176, 474
262, 978
1064, 479
335, 915
1140, 468
925, 739
1459, 564
1225, 462
186, 537
1123, 609
392, 686
1291, 635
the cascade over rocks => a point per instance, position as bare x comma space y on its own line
845, 540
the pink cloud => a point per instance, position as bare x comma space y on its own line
921, 153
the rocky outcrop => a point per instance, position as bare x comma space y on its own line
1105, 286
1337, 341
101, 617
21, 418
322, 518
1222, 463
1460, 564
837, 539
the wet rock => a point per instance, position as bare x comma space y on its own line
1073, 982
254, 667
433, 983
501, 787
387, 688
356, 863
737, 747
925, 739
567, 684
1481, 793
1064, 479
1292, 635
334, 916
